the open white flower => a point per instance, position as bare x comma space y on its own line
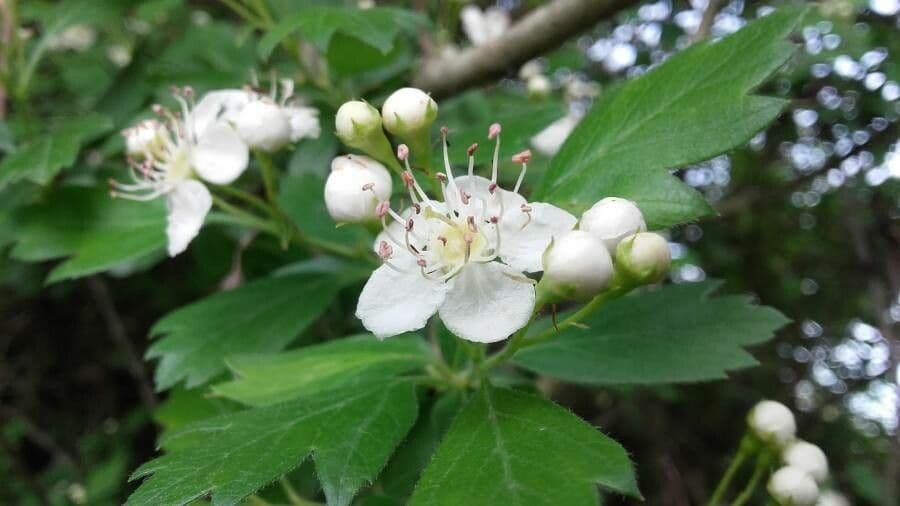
464, 258
165, 160
264, 122
482, 27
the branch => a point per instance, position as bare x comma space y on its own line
540, 30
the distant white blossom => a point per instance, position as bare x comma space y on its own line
485, 26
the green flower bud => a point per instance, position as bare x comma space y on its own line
358, 125
408, 114
643, 257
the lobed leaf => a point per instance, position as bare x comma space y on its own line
349, 432
508, 447
691, 108
673, 335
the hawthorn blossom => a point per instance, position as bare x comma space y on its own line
265, 122
465, 258
167, 158
483, 26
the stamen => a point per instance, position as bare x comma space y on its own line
382, 208
470, 221
471, 152
522, 157
385, 251
494, 131
527, 210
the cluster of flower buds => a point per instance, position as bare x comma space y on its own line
611, 243
407, 114
805, 466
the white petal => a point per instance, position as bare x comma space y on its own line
188, 204
215, 106
486, 304
523, 242
220, 156
394, 302
549, 140
304, 122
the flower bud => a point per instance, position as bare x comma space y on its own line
358, 125
644, 257
772, 422
791, 486
611, 220
146, 136
832, 498
576, 266
263, 125
354, 188
408, 112
808, 457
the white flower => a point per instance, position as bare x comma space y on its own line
772, 422
354, 187
264, 122
808, 457
550, 139
445, 257
832, 498
482, 27
791, 486
166, 159
407, 111
577, 265
644, 256
611, 220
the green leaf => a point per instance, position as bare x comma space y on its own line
261, 316
96, 231
269, 379
302, 196
41, 160
675, 334
691, 108
376, 27
507, 447
182, 407
350, 433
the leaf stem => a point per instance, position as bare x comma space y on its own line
743, 452
245, 218
762, 464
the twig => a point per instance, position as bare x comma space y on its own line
544, 28
709, 16
116, 330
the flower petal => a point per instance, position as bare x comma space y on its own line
304, 122
524, 241
395, 302
220, 156
215, 106
188, 204
486, 303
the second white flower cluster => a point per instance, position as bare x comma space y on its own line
472, 254
804, 466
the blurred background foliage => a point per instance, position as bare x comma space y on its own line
807, 223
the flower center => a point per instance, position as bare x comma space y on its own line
456, 243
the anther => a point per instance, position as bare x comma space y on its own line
495, 219
442, 239
409, 224
494, 130
421, 262
471, 149
402, 152
441, 177
382, 208
492, 188
408, 179
470, 221
158, 109
464, 197
417, 207
385, 251
368, 186
522, 156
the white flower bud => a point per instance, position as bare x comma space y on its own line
264, 125
539, 86
408, 111
356, 121
808, 457
772, 422
791, 486
146, 136
355, 186
644, 257
611, 220
576, 266
832, 498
